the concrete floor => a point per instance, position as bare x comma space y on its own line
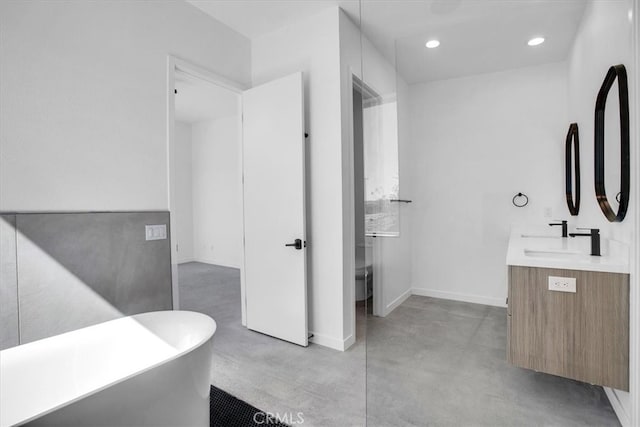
430, 362
327, 386
439, 362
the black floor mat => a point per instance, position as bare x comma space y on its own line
228, 411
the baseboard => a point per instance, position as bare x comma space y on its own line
186, 260
331, 342
476, 299
618, 407
396, 302
214, 262
348, 342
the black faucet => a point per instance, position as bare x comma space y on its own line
563, 223
595, 239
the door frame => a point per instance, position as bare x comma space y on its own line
176, 64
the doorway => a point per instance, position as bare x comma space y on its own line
205, 189
363, 270
373, 214
230, 149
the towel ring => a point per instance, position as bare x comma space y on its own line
526, 200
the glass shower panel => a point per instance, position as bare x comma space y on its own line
387, 235
444, 114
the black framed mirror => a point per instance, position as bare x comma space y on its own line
572, 169
619, 73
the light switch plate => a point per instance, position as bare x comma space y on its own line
562, 284
155, 232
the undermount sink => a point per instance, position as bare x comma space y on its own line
553, 254
539, 247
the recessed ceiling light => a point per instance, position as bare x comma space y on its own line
432, 43
535, 41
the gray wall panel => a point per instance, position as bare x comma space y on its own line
8, 283
78, 269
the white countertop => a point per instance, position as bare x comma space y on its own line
546, 249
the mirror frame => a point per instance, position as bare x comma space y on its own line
615, 72
573, 141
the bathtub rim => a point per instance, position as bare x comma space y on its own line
207, 336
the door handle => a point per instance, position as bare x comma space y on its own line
297, 244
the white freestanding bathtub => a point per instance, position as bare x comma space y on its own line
151, 369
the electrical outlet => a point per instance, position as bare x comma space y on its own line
562, 284
155, 232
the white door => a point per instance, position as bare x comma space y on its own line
274, 209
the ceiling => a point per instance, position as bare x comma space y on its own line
488, 36
477, 36
197, 101
253, 18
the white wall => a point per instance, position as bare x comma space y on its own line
217, 192
311, 45
476, 142
184, 197
84, 98
326, 48
605, 38
350, 64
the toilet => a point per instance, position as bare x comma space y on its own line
364, 283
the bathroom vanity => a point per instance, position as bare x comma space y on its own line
568, 311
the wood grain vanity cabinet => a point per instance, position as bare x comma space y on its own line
582, 335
